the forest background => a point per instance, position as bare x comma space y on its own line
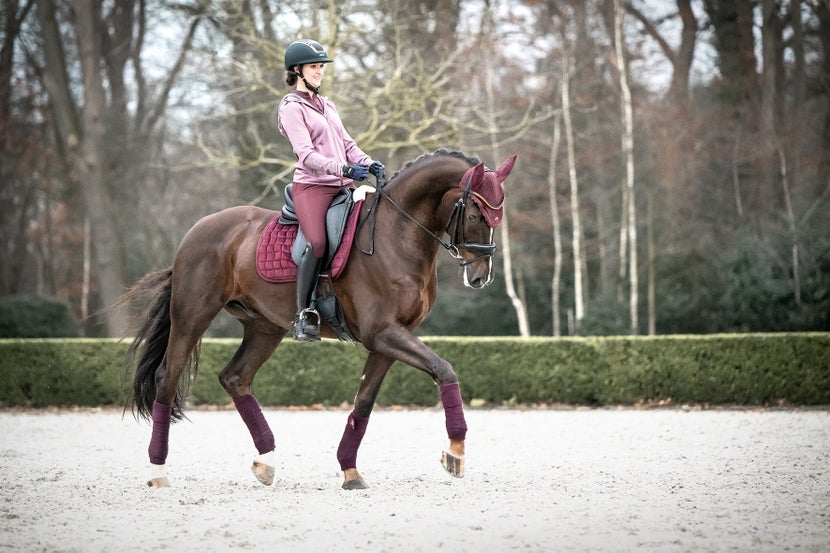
674, 156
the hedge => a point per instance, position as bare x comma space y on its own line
30, 316
742, 369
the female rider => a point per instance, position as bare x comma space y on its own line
327, 160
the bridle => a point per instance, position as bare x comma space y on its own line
459, 211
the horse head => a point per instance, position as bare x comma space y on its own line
477, 214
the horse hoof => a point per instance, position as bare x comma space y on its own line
161, 482
452, 464
264, 473
358, 484
158, 476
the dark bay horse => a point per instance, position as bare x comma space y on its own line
440, 199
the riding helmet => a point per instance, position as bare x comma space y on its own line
305, 51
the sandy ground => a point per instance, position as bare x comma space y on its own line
537, 480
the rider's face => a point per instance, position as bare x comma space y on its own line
313, 73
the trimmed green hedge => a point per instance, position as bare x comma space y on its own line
742, 369
42, 372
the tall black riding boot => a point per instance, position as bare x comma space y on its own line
307, 320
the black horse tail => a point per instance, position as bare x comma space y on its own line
154, 334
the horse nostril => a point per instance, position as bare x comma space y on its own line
477, 278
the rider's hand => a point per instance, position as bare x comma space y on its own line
355, 172
377, 169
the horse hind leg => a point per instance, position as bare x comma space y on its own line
188, 324
259, 341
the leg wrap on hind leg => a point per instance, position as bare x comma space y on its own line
251, 414
454, 411
161, 432
352, 436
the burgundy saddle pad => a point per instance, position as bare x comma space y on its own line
273, 252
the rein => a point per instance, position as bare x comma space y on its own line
451, 228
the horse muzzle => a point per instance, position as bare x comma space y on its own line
478, 271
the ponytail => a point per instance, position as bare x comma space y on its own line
290, 78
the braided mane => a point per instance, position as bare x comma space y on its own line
472, 160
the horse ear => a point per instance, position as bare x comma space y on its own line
505, 168
478, 175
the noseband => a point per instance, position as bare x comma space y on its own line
459, 210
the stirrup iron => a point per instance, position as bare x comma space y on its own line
307, 325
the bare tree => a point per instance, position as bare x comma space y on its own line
652, 273
101, 148
557, 231
13, 222
13, 16
627, 120
579, 298
681, 58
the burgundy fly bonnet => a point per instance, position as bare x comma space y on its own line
486, 189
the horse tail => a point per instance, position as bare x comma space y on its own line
154, 333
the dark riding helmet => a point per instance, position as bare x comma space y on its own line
303, 51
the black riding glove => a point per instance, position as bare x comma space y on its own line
355, 172
378, 170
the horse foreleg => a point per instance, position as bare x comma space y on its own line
264, 466
374, 371
453, 459
406, 347
347, 451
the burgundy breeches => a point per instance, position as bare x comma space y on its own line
311, 201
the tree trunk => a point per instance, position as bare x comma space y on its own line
11, 23
14, 222
652, 273
515, 299
679, 89
557, 232
623, 268
823, 12
770, 115
736, 174
785, 185
579, 298
87, 274
799, 114
733, 27
627, 120
56, 80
